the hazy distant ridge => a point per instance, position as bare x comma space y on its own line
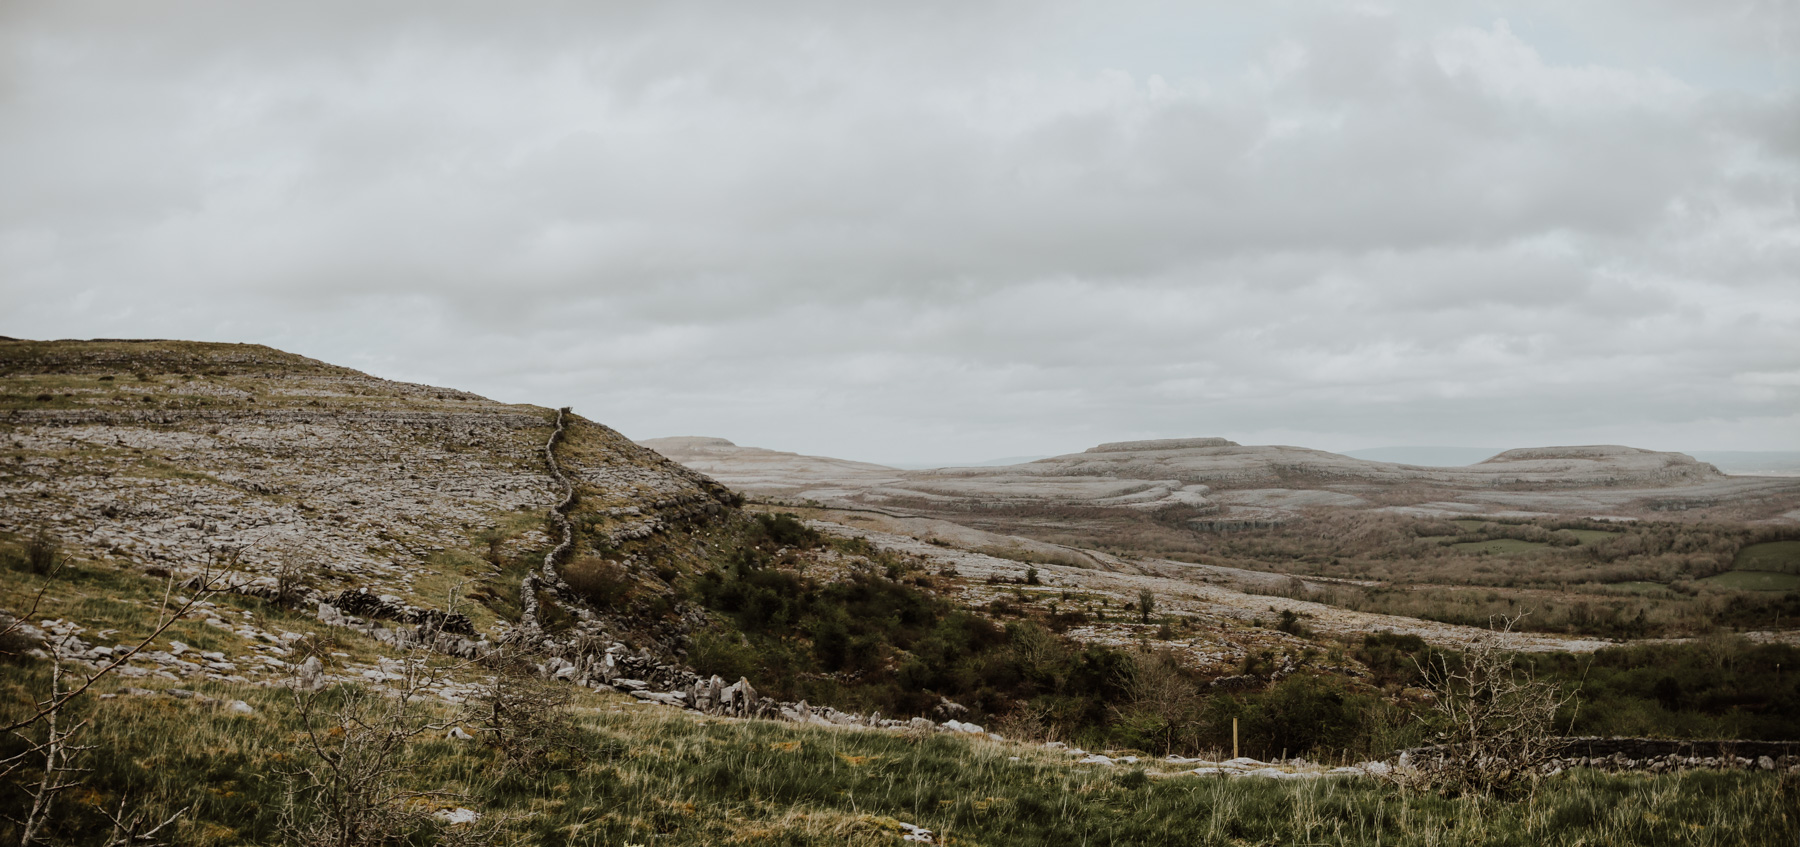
1430, 457
1753, 462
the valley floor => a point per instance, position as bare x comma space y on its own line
1212, 597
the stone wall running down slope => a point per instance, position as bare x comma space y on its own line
168, 454
172, 456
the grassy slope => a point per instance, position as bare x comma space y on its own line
649, 775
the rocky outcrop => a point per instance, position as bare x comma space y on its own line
393, 608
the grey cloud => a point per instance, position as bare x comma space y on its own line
905, 231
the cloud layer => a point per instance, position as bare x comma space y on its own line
943, 231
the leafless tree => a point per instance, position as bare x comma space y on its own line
519, 713
213, 579
57, 753
295, 567
1495, 720
348, 790
48, 727
1164, 703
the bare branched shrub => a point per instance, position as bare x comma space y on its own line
44, 554
1028, 722
48, 766
519, 713
348, 789
1495, 721
1164, 706
208, 582
297, 565
50, 763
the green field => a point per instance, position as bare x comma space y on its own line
1774, 556
1500, 545
1754, 581
1591, 536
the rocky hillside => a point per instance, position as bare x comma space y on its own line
172, 454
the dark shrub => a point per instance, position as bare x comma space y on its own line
1304, 714
787, 530
599, 581
43, 554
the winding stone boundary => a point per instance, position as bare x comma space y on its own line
1646, 748
1658, 754
559, 512
528, 601
625, 669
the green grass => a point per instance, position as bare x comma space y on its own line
648, 775
1502, 546
1754, 581
102, 595
1774, 556
1590, 536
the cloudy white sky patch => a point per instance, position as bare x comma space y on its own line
915, 232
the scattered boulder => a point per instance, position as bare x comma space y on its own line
457, 816
310, 675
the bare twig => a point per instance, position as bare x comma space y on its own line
60, 772
1495, 720
523, 716
128, 829
209, 582
348, 791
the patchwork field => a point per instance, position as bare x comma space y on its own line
1773, 556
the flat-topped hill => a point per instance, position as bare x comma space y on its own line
1161, 444
1224, 464
1216, 479
754, 468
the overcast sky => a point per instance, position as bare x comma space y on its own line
943, 231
